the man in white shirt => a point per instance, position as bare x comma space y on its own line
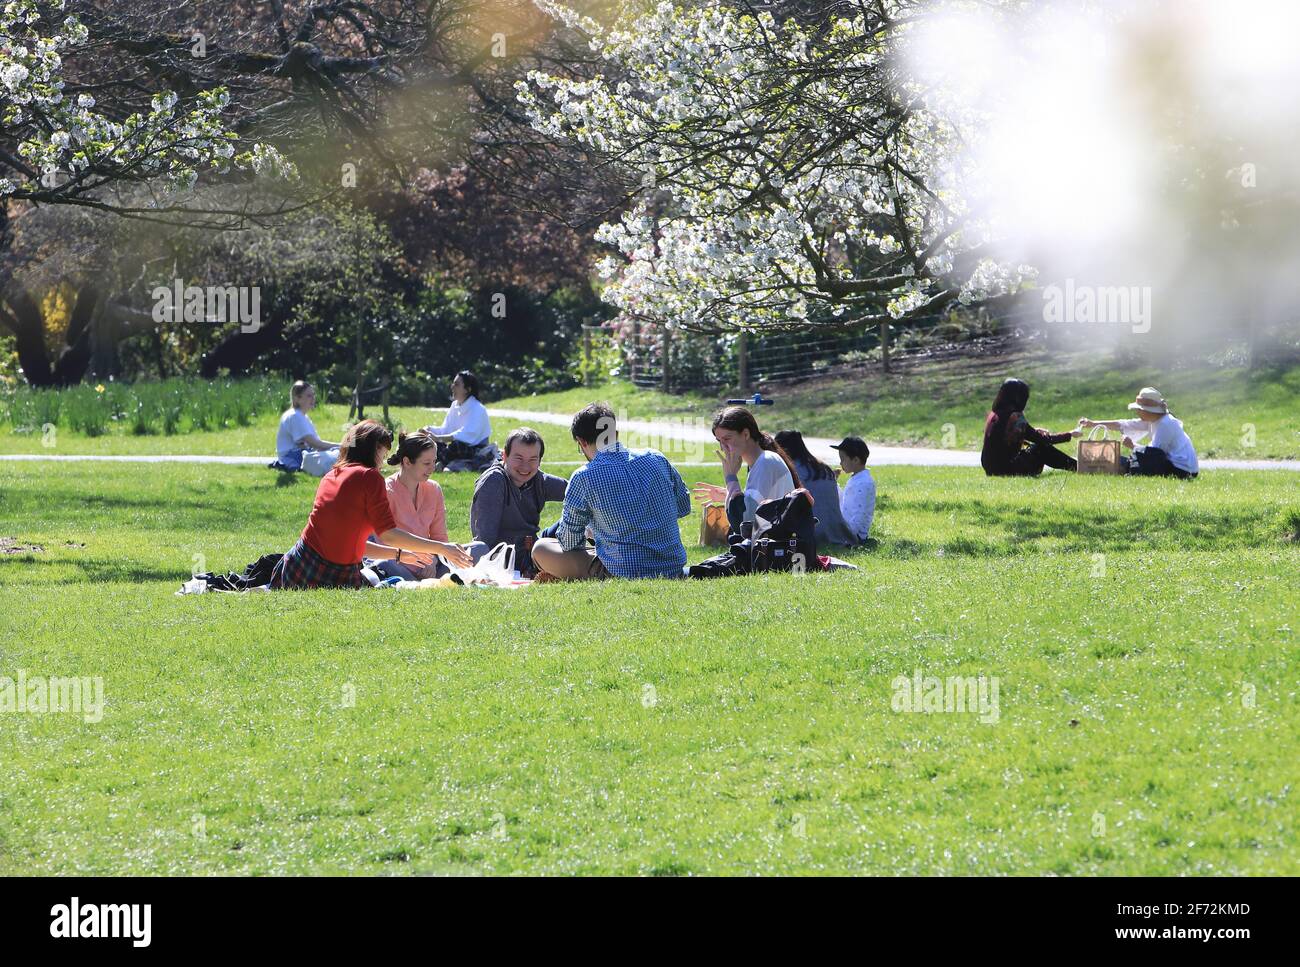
1170, 452
858, 496
467, 427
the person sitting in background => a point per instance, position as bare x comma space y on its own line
858, 495
297, 446
632, 499
467, 427
509, 497
351, 504
770, 474
1013, 448
819, 479
1170, 452
418, 506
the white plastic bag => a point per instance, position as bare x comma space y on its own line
494, 569
318, 462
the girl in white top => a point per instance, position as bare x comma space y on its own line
467, 421
466, 428
771, 474
297, 446
1170, 452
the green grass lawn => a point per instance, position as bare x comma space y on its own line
1146, 720
255, 440
917, 405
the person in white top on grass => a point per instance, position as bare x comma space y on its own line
1170, 452
858, 495
466, 427
771, 472
297, 446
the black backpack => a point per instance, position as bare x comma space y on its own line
782, 529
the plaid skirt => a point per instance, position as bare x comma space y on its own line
303, 568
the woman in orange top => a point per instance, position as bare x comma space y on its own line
417, 505
351, 504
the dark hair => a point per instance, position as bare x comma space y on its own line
737, 418
296, 391
470, 381
411, 446
791, 441
1012, 396
362, 441
526, 436
591, 421
853, 446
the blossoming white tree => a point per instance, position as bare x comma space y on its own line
69, 153
139, 154
784, 176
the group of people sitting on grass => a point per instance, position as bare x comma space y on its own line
1015, 448
621, 509
619, 514
464, 440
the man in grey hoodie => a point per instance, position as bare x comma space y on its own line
509, 496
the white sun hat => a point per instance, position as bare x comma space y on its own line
1150, 400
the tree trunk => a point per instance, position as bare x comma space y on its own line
22, 316
884, 347
1254, 349
159, 358
75, 356
239, 350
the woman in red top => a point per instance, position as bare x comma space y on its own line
351, 504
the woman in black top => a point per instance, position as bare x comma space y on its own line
1013, 448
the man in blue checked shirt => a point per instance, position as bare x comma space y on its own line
631, 499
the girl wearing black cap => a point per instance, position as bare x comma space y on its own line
1013, 448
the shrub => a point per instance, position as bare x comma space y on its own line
171, 406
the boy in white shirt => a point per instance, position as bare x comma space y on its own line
1170, 452
858, 496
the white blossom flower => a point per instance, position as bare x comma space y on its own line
695, 76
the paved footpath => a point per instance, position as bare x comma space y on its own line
689, 443
698, 434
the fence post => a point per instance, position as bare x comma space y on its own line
742, 355
667, 376
586, 355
